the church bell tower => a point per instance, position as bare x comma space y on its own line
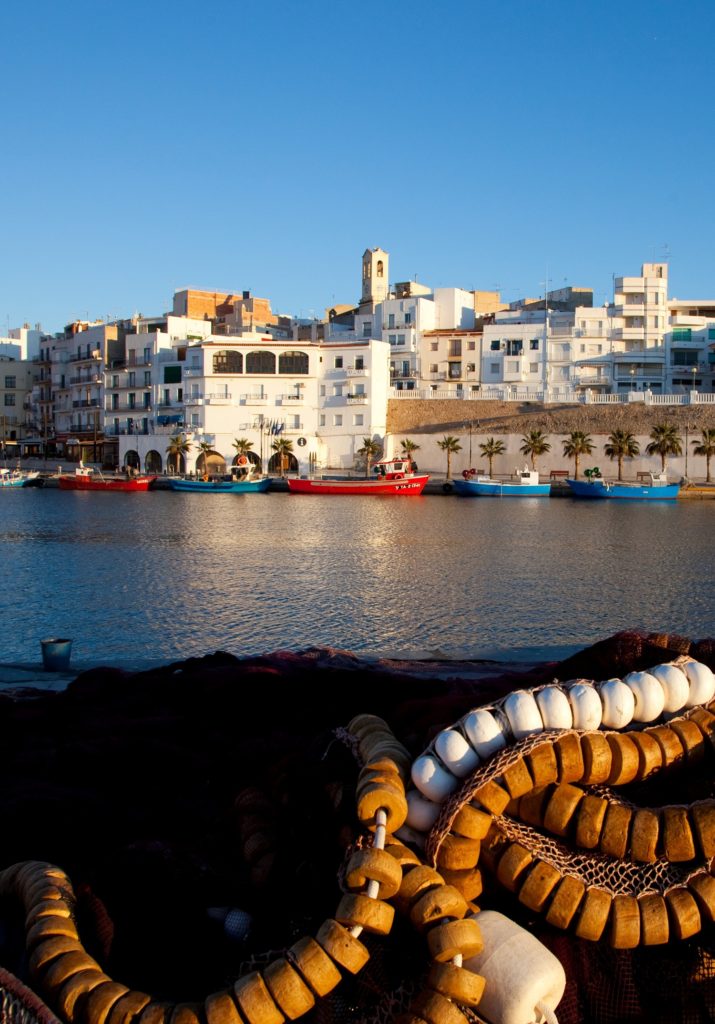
375, 265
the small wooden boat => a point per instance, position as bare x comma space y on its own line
18, 478
392, 476
85, 478
526, 485
657, 488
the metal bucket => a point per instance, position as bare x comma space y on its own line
56, 654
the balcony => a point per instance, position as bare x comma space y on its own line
87, 403
290, 399
253, 399
138, 409
355, 371
357, 399
193, 371
93, 357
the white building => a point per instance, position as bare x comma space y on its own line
324, 398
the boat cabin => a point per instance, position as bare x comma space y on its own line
393, 469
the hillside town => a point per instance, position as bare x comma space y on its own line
155, 393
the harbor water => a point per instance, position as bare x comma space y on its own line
141, 579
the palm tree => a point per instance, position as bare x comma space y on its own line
242, 445
370, 449
177, 448
706, 448
284, 448
621, 445
205, 449
490, 449
534, 443
408, 447
451, 446
664, 441
577, 444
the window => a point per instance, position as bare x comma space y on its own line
533, 367
338, 420
322, 390
359, 363
455, 347
711, 334
534, 345
367, 329
338, 391
391, 320
455, 371
11, 382
471, 367
338, 364
495, 345
514, 347
400, 339
293, 362
321, 420
434, 346
392, 339
147, 399
194, 419
682, 333
359, 389
294, 422
380, 268
172, 375
115, 401
494, 369
132, 400
358, 419
9, 399
227, 362
513, 365
433, 367
167, 397
147, 354
132, 379
471, 346
408, 318
260, 362
147, 378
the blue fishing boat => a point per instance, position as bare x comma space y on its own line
18, 478
525, 485
241, 480
656, 489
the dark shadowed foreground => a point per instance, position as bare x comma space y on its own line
219, 783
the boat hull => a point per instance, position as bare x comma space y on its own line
83, 483
221, 486
600, 489
497, 489
407, 486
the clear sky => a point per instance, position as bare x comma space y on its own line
154, 145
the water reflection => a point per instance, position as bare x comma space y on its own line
142, 578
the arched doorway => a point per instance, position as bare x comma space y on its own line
211, 464
153, 462
290, 463
132, 460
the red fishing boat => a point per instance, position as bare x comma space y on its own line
392, 476
85, 478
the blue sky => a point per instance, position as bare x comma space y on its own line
153, 146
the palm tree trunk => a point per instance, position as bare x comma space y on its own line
707, 469
575, 461
449, 464
491, 473
620, 468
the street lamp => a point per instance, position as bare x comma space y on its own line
632, 372
693, 370
687, 431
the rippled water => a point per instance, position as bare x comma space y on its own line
142, 578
